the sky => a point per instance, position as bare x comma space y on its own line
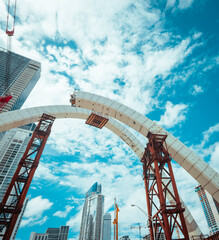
159, 57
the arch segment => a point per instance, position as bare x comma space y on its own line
185, 157
22, 117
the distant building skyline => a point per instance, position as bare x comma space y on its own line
209, 208
125, 238
51, 234
92, 216
107, 226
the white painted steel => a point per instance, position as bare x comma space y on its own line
194, 165
19, 118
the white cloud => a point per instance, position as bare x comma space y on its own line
173, 115
44, 171
34, 211
207, 134
36, 206
196, 90
214, 157
185, 3
32, 221
63, 214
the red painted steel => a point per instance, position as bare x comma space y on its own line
12, 203
4, 100
164, 216
96, 120
11, 32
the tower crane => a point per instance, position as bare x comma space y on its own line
115, 222
139, 227
10, 27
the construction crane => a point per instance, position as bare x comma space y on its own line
10, 27
115, 222
139, 227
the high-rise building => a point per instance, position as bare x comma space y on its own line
210, 209
21, 73
161, 237
92, 216
125, 238
38, 236
51, 234
107, 226
18, 76
12, 147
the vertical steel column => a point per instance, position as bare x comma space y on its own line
13, 200
159, 180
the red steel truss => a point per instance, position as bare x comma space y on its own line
96, 120
12, 203
163, 216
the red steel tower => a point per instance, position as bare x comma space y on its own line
12, 202
159, 181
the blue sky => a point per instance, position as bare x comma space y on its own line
158, 57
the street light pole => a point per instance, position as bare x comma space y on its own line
149, 217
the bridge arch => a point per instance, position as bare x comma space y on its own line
185, 157
18, 118
84, 103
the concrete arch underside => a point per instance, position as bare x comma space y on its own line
21, 117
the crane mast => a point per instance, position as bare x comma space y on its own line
10, 27
115, 222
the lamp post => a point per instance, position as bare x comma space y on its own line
154, 233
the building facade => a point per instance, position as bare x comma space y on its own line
12, 147
51, 234
38, 236
92, 216
107, 226
125, 238
210, 209
161, 237
18, 76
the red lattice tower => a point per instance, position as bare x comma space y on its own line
12, 203
159, 180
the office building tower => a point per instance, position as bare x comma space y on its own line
51, 234
210, 210
161, 237
107, 226
92, 216
12, 147
38, 236
18, 76
125, 238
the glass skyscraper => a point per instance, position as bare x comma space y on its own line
92, 216
107, 226
21, 73
12, 147
18, 76
209, 208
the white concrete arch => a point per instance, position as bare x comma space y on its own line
191, 162
25, 116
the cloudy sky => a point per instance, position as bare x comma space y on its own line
159, 57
